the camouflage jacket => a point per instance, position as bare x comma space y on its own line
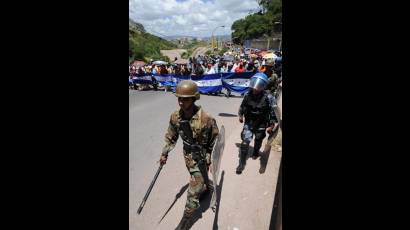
204, 130
273, 83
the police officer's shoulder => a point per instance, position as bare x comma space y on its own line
246, 94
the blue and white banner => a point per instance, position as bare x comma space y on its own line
209, 83
166, 79
237, 82
179, 78
142, 80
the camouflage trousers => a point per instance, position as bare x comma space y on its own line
196, 185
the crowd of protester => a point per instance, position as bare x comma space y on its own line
234, 61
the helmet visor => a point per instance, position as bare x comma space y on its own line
257, 83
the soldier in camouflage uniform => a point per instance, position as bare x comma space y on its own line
274, 78
258, 107
198, 131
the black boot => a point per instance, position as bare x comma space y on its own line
242, 161
242, 157
240, 168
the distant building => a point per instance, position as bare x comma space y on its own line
185, 40
182, 40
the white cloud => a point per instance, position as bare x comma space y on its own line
189, 17
180, 20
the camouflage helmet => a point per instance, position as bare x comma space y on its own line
270, 63
187, 88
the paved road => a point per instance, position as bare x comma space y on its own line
149, 113
246, 200
200, 51
173, 53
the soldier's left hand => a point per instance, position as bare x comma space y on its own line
163, 160
208, 161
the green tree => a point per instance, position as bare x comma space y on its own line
258, 24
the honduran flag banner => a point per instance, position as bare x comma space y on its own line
166, 79
237, 82
179, 78
142, 80
209, 83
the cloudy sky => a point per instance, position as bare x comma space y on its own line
189, 17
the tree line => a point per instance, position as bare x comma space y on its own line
262, 23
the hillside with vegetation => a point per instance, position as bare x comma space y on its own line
145, 46
258, 24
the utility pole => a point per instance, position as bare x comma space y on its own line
213, 46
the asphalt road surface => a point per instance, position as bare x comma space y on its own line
149, 113
200, 51
245, 200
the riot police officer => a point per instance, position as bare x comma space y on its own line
258, 109
198, 131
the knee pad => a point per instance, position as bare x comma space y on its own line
246, 135
259, 136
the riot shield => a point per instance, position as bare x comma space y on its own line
216, 161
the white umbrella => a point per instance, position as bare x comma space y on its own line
270, 56
160, 63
